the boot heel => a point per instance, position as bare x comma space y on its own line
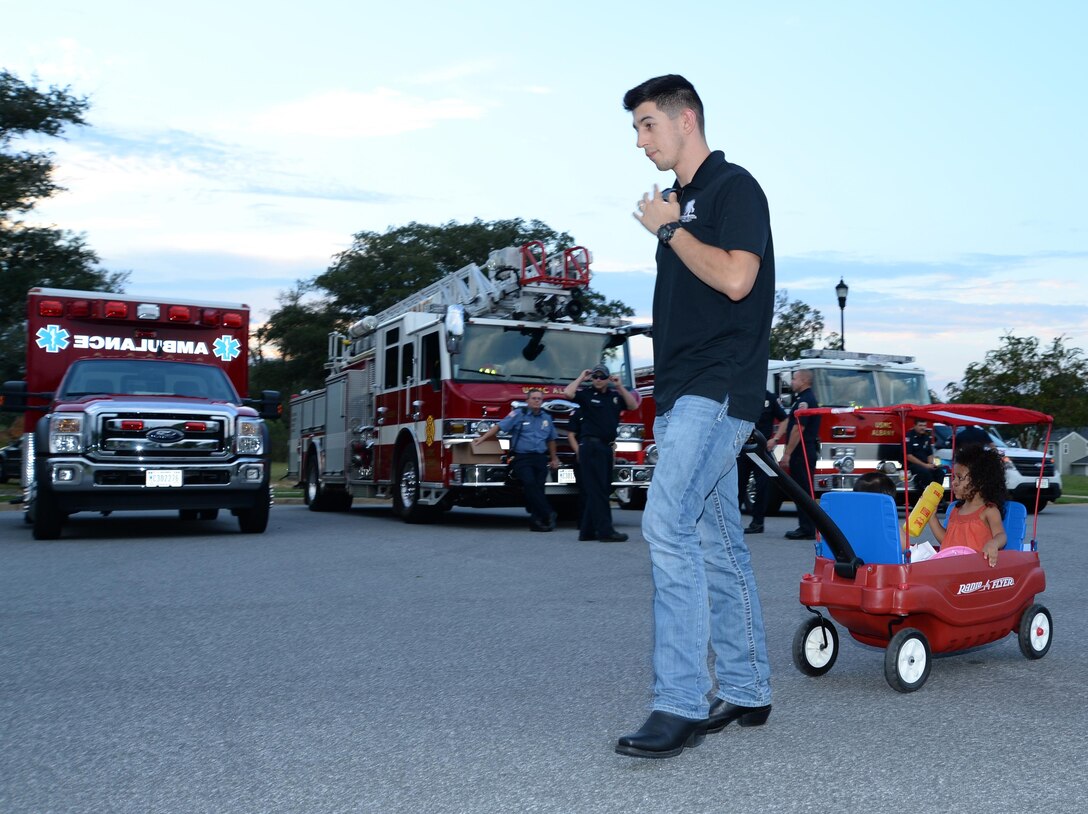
696, 737
757, 718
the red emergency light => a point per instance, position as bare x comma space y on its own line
178, 313
232, 320
131, 425
209, 316
50, 308
116, 310
195, 426
79, 309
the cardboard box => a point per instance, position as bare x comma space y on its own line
463, 452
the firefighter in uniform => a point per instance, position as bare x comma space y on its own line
532, 443
802, 456
592, 431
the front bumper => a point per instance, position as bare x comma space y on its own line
81, 485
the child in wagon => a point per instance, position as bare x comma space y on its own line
974, 526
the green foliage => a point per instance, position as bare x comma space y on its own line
34, 256
376, 272
1053, 380
796, 327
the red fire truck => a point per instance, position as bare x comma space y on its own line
133, 403
409, 388
849, 445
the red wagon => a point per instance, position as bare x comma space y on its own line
864, 579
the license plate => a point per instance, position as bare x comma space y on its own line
566, 476
164, 477
1044, 483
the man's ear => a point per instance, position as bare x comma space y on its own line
690, 122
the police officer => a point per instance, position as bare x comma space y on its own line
802, 457
593, 429
920, 461
532, 443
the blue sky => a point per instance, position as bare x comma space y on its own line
931, 154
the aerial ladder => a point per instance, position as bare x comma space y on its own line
517, 282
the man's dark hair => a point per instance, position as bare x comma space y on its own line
671, 93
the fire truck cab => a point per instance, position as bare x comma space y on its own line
135, 403
852, 445
409, 388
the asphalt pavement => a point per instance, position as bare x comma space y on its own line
352, 663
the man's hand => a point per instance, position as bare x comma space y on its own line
554, 463
654, 212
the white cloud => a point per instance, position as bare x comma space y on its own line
346, 114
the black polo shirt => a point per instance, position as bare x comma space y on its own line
598, 414
704, 343
772, 411
810, 424
919, 445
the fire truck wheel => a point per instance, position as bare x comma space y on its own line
315, 494
632, 498
255, 520
406, 494
45, 515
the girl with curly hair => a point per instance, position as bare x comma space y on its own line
974, 526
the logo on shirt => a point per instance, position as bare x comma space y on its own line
688, 214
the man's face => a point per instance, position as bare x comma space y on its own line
799, 382
658, 136
535, 400
922, 428
599, 380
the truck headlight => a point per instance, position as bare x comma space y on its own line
249, 438
66, 434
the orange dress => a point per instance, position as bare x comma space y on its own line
967, 530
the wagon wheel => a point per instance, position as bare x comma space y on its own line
907, 660
815, 646
1036, 631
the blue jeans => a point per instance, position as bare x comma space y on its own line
704, 587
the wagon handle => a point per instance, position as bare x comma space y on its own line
846, 561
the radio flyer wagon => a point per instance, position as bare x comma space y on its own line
864, 579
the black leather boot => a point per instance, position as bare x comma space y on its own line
722, 713
663, 735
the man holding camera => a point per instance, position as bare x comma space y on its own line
592, 431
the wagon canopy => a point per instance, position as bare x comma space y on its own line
957, 415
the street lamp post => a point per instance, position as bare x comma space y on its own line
841, 290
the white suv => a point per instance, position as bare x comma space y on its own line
1022, 467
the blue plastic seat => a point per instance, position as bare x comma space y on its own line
1015, 522
870, 523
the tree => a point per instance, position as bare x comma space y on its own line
33, 255
795, 327
1053, 380
377, 271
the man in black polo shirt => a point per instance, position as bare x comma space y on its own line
592, 432
802, 457
713, 302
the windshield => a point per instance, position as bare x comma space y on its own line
146, 377
498, 353
869, 388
